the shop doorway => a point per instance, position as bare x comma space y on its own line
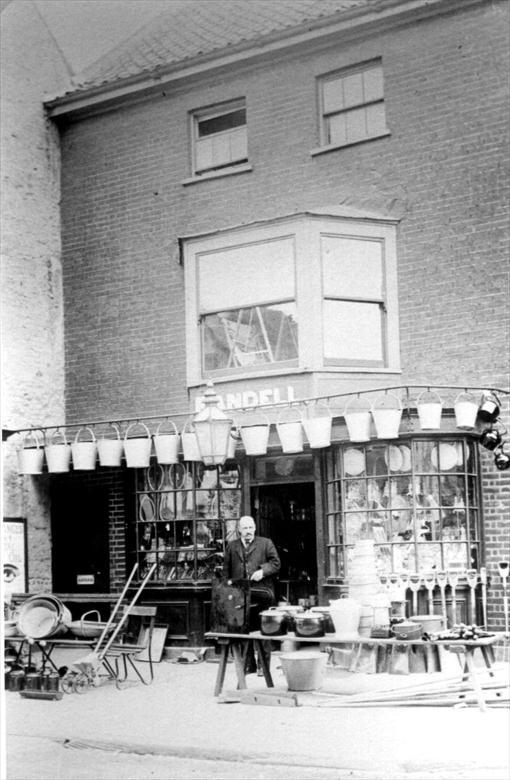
79, 529
286, 514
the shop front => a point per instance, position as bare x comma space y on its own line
317, 474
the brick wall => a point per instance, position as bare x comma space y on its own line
32, 305
442, 171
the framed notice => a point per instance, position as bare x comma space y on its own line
14, 555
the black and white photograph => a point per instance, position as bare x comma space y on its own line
255, 389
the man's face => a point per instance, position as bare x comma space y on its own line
247, 530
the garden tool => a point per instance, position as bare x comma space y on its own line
117, 605
403, 579
442, 579
414, 584
483, 580
472, 581
453, 581
90, 663
503, 567
429, 580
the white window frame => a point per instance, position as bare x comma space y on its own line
363, 104
212, 112
307, 231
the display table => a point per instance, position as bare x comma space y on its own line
237, 644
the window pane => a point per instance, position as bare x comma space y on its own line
246, 275
351, 268
223, 122
220, 149
376, 119
352, 331
247, 337
204, 154
373, 84
337, 129
353, 89
356, 125
238, 144
332, 95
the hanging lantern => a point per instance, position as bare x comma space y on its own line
212, 428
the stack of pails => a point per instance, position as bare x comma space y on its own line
43, 616
363, 580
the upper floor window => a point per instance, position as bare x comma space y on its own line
308, 292
247, 306
219, 137
352, 105
354, 309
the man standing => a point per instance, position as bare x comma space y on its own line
253, 558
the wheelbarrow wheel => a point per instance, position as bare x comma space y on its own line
67, 684
80, 684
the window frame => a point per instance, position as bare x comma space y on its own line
324, 115
306, 231
336, 514
212, 112
380, 301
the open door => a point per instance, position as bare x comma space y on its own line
79, 526
286, 514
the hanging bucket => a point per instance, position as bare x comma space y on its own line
110, 450
429, 411
387, 419
190, 448
42, 617
358, 421
233, 441
290, 431
138, 448
317, 423
58, 455
167, 445
84, 452
31, 454
255, 435
466, 410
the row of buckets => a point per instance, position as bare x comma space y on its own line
252, 430
137, 443
386, 413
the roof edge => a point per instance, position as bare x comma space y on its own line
383, 14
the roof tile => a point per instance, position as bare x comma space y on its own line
193, 28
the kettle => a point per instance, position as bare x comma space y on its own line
502, 460
490, 438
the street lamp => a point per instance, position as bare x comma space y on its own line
212, 428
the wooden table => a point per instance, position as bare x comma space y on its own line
237, 644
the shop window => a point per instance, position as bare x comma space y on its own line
352, 105
220, 137
418, 501
250, 290
185, 516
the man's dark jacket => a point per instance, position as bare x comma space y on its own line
240, 563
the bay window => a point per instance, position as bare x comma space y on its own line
418, 501
308, 292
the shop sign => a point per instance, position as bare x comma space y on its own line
265, 396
